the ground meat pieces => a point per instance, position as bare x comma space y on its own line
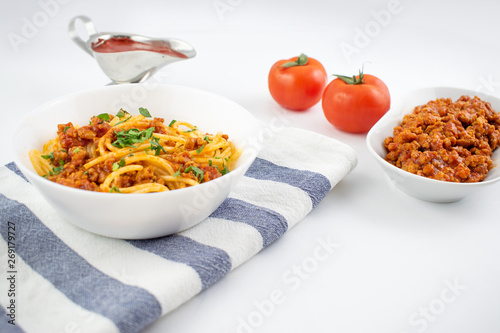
158, 125
446, 140
59, 157
78, 182
146, 175
91, 157
194, 143
68, 136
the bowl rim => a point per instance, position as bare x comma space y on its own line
253, 150
397, 112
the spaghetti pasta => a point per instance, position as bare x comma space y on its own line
133, 154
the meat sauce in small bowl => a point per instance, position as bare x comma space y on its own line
439, 144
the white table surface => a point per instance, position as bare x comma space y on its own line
398, 264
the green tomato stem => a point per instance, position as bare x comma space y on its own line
353, 79
301, 61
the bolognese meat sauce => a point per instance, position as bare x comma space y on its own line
69, 161
446, 140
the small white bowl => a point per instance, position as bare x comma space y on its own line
418, 186
137, 216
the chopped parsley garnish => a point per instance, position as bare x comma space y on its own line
145, 112
76, 150
65, 129
118, 165
114, 189
49, 156
120, 114
56, 170
224, 170
178, 171
172, 122
196, 171
127, 138
123, 121
206, 138
155, 145
199, 150
104, 116
191, 130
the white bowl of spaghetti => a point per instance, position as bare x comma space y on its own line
136, 161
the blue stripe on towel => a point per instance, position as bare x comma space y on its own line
13, 167
314, 184
210, 263
270, 224
5, 327
130, 308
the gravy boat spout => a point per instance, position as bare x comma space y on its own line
129, 58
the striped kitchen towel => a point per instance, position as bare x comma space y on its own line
58, 278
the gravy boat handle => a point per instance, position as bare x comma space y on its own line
73, 34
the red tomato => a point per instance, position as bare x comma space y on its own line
355, 104
297, 83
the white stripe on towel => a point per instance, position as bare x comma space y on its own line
335, 160
287, 200
239, 240
58, 313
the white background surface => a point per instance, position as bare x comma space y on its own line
395, 257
